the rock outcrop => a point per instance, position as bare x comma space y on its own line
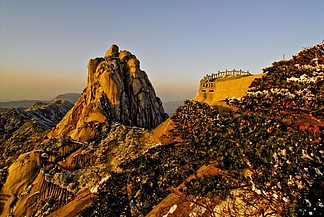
22, 128
117, 91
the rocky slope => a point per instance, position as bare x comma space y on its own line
20, 128
117, 91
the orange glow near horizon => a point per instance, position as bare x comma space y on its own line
30, 86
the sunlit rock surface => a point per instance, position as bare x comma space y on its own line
117, 91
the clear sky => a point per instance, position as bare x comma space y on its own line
45, 45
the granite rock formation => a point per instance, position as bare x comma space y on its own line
21, 128
117, 91
21, 131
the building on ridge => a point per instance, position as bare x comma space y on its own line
209, 81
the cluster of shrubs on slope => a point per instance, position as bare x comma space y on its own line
293, 88
284, 162
146, 180
262, 154
291, 85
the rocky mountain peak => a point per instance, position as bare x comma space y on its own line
117, 91
112, 52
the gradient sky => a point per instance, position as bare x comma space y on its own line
45, 45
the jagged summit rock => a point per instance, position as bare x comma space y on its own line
117, 90
112, 52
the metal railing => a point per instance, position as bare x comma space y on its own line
226, 73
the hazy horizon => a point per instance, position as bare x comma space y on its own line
45, 46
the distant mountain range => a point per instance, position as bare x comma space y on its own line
169, 107
71, 97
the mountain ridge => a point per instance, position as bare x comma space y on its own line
22, 128
71, 97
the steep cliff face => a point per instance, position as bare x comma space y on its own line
117, 91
